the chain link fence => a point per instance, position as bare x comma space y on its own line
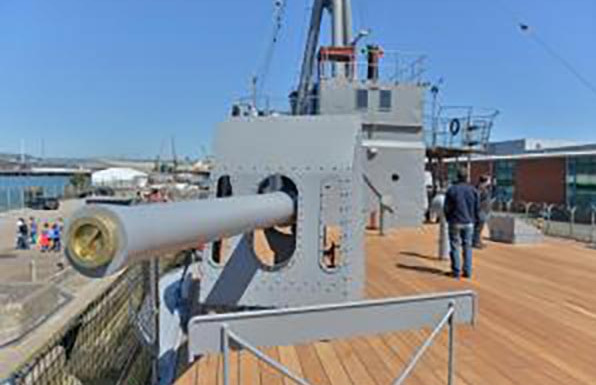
563, 221
111, 342
98, 346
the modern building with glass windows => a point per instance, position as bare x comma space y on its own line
581, 180
530, 170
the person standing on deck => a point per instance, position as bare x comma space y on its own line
462, 206
484, 197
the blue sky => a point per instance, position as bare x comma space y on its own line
120, 77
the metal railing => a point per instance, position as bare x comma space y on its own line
229, 337
460, 127
382, 205
245, 330
563, 221
98, 343
395, 67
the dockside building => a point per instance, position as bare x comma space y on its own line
541, 171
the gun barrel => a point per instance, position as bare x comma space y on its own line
102, 240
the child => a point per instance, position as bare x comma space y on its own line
33, 231
52, 236
44, 240
56, 243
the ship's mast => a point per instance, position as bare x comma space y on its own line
341, 31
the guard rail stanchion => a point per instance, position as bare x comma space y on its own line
528, 207
509, 205
225, 345
492, 204
549, 217
381, 218
451, 357
572, 210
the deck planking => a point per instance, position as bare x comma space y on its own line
536, 321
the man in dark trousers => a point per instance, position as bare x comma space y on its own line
462, 208
484, 196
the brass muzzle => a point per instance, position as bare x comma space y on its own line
92, 241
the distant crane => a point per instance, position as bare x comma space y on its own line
174, 155
160, 164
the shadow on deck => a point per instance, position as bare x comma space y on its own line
536, 323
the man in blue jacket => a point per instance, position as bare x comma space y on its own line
462, 207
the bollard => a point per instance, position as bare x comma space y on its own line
437, 208
33, 271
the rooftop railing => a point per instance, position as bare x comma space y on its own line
464, 128
394, 66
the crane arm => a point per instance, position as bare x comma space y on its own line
341, 11
310, 52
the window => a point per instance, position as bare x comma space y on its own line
505, 180
385, 97
452, 172
581, 181
362, 99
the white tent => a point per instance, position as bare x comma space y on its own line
119, 178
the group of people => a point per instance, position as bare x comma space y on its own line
46, 235
467, 209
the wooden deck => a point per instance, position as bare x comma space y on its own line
536, 324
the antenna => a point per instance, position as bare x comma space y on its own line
434, 90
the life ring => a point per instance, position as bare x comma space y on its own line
454, 126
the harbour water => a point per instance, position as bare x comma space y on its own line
13, 188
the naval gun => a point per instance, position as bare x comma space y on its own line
103, 240
302, 172
283, 227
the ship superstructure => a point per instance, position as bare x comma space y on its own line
386, 90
